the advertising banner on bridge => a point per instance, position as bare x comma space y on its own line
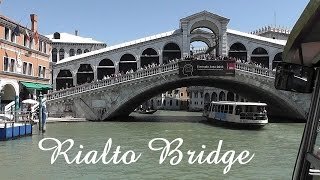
207, 68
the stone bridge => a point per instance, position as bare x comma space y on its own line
115, 97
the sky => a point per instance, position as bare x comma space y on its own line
119, 21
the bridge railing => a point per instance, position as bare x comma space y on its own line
254, 69
114, 80
144, 73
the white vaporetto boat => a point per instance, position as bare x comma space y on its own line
247, 114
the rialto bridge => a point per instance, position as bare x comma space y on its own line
84, 89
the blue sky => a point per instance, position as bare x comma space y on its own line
123, 20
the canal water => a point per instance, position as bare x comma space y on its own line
275, 148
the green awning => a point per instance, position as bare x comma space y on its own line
37, 86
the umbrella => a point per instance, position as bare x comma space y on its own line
30, 101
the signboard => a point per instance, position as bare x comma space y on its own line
207, 68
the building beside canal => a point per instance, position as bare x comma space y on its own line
67, 45
25, 55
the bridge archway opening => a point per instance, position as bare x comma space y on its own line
238, 51
198, 47
71, 52
260, 56
64, 80
204, 25
54, 55
9, 94
149, 56
61, 54
207, 98
171, 51
85, 74
276, 60
214, 96
127, 63
79, 51
106, 68
222, 96
230, 96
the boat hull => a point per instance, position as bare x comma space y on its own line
251, 125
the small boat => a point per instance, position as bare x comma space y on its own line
244, 114
146, 111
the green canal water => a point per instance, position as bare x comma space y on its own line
275, 148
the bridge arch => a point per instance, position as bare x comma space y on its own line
149, 56
214, 96
127, 62
85, 74
246, 88
64, 79
207, 98
171, 51
230, 96
277, 58
222, 96
239, 51
105, 68
260, 56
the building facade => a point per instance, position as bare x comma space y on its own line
25, 57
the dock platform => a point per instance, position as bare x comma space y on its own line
13, 130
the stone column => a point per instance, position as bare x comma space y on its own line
138, 62
270, 61
95, 73
185, 40
116, 67
58, 55
160, 57
74, 72
223, 41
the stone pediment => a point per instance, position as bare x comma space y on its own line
204, 14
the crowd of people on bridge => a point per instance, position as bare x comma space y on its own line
192, 57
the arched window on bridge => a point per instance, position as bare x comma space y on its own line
207, 98
276, 60
222, 96
85, 74
230, 96
237, 98
61, 54
149, 56
106, 68
238, 51
214, 96
127, 62
260, 56
86, 50
171, 51
64, 80
71, 52
79, 51
54, 55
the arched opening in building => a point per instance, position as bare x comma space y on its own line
149, 56
207, 98
86, 50
260, 56
85, 74
238, 51
64, 80
276, 60
106, 68
71, 52
171, 51
237, 98
56, 35
61, 54
54, 55
214, 96
79, 51
127, 63
222, 96
198, 47
208, 31
230, 96
9, 94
